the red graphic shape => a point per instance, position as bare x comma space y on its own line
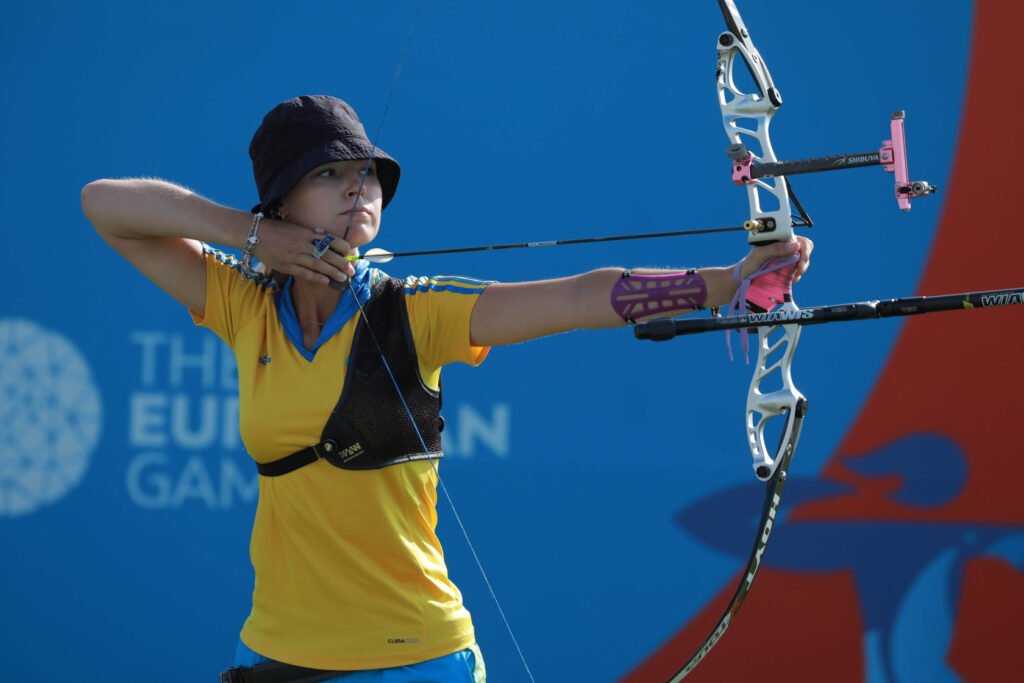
986, 646
798, 626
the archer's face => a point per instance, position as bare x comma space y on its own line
329, 197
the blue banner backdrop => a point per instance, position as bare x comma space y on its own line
585, 466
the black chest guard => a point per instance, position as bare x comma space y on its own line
369, 427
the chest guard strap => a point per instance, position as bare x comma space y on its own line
369, 428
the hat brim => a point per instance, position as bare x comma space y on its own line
346, 149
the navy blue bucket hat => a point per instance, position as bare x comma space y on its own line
304, 132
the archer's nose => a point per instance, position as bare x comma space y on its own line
356, 188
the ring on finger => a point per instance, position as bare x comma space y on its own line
321, 246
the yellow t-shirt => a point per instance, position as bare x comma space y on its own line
349, 571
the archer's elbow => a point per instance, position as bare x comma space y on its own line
95, 196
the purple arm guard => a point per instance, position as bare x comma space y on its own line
638, 295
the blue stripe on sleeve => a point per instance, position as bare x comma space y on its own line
445, 283
262, 280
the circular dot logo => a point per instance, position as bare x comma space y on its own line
50, 417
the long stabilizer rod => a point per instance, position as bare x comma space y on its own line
663, 329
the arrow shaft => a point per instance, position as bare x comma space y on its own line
562, 243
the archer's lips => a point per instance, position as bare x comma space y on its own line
356, 212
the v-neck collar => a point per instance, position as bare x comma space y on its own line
343, 312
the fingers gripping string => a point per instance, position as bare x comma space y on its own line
319, 249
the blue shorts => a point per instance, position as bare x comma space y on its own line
466, 666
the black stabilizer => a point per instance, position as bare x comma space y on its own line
659, 329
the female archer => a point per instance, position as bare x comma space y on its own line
338, 376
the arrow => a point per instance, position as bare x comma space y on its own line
384, 256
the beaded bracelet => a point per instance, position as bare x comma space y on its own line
250, 242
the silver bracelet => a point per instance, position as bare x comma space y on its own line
250, 242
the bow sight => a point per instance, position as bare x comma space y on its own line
747, 116
892, 157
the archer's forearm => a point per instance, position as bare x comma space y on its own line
143, 208
508, 313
